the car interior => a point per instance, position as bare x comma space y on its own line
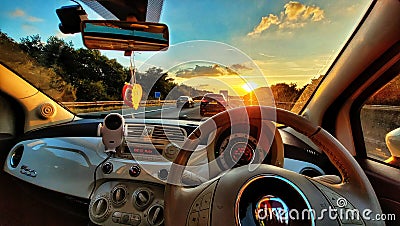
255, 163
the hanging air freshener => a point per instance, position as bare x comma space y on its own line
132, 91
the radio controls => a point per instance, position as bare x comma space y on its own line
126, 218
127, 203
142, 198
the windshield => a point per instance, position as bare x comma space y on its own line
249, 53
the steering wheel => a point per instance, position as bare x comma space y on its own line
233, 198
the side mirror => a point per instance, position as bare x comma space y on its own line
124, 35
393, 143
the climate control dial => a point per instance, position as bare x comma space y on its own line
99, 209
142, 198
119, 195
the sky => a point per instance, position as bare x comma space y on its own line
244, 42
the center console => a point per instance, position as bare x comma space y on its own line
129, 203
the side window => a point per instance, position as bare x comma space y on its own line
380, 121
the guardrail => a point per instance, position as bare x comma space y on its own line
80, 107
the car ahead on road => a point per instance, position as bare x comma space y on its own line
212, 103
330, 158
184, 101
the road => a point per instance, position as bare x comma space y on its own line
170, 112
167, 111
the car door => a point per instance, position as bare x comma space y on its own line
364, 113
374, 129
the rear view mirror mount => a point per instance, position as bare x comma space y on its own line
71, 18
124, 35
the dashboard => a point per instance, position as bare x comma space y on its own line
127, 187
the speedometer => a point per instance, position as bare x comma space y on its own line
241, 153
237, 149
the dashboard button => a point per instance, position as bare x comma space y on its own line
163, 174
135, 220
134, 171
193, 219
117, 214
125, 218
107, 168
116, 217
205, 203
196, 204
203, 217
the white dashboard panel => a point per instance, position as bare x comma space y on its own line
67, 165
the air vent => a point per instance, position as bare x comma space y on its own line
134, 131
169, 133
16, 156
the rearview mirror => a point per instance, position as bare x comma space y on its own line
125, 36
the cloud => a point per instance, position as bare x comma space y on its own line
208, 71
294, 15
266, 55
17, 13
265, 23
293, 10
59, 34
22, 14
291, 25
313, 12
34, 19
240, 67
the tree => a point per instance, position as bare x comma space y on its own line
87, 75
33, 46
155, 80
286, 95
387, 95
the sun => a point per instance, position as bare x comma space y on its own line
249, 86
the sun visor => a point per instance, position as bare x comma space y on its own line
143, 10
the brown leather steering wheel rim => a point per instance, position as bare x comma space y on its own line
354, 180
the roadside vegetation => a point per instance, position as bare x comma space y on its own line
69, 74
